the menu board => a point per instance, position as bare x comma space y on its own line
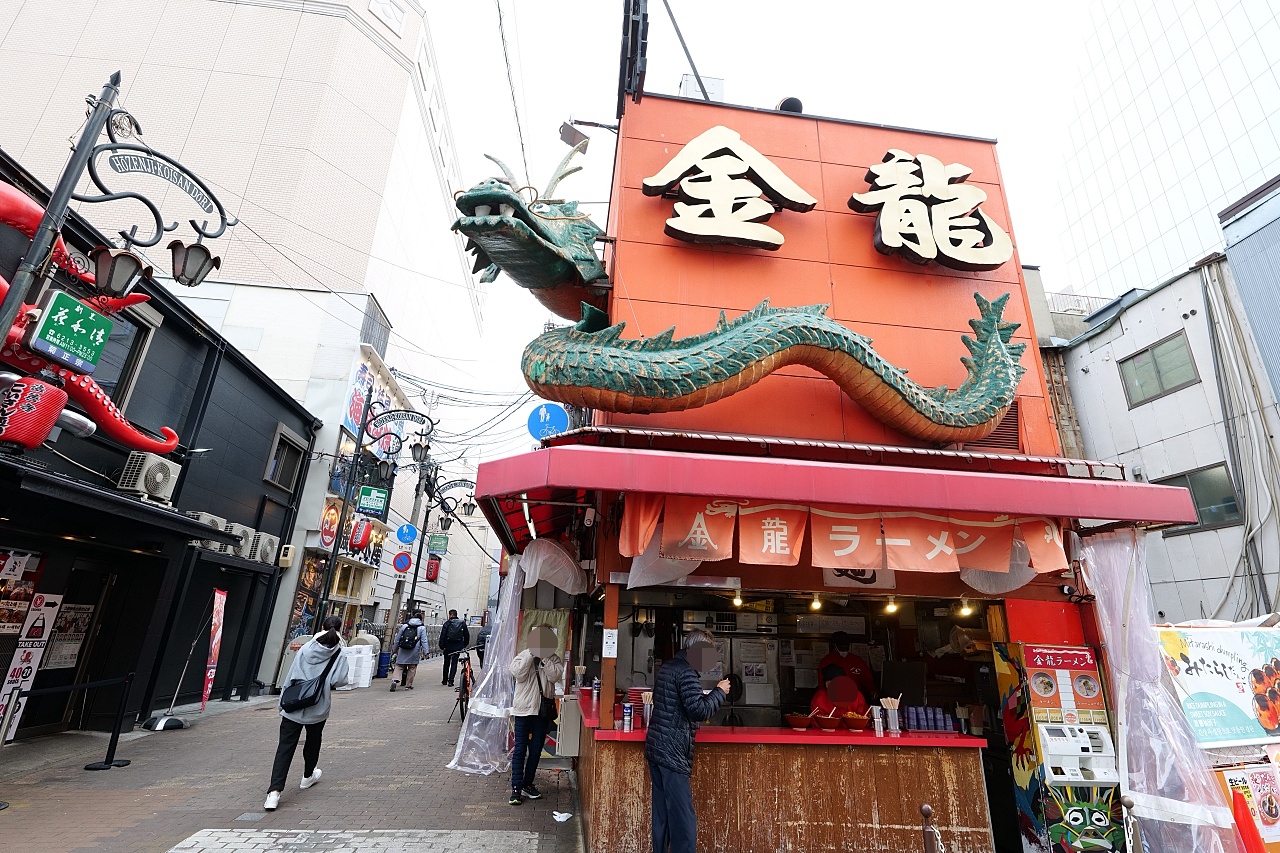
1064, 685
1261, 790
1228, 681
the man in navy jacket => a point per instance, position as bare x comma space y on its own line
678, 707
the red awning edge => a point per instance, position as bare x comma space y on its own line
802, 481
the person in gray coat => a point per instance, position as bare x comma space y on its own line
309, 663
411, 648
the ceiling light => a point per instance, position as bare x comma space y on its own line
737, 597
965, 609
892, 606
817, 602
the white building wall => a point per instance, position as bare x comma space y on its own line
1179, 432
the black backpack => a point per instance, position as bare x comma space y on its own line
408, 641
453, 631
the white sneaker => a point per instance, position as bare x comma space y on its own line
308, 781
394, 684
273, 800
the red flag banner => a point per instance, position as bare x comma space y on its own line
640, 514
215, 644
771, 534
1044, 540
982, 541
846, 537
698, 528
915, 542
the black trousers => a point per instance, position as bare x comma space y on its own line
450, 667
480, 654
675, 828
289, 733
531, 736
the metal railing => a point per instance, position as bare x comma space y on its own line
1075, 303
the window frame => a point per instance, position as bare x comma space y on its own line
1197, 527
288, 436
1150, 348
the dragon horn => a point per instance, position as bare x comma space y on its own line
511, 179
561, 173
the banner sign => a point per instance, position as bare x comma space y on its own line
438, 543
1224, 679
698, 528
215, 644
771, 533
372, 500
32, 640
69, 631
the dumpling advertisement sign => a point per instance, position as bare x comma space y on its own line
1228, 681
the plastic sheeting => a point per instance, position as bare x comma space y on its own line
1178, 806
482, 743
651, 569
545, 560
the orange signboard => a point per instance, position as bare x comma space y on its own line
914, 313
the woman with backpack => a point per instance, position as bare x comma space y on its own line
411, 648
304, 704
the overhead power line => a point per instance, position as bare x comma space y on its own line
511, 84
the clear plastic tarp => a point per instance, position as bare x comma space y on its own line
545, 560
1178, 806
482, 743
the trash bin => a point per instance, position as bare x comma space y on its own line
384, 664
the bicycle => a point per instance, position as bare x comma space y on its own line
464, 685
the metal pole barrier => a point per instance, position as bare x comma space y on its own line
932, 843
111, 760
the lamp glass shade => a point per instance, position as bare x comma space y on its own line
468, 507
419, 451
116, 270
192, 263
446, 522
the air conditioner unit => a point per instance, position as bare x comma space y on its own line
265, 548
213, 521
286, 557
246, 540
149, 476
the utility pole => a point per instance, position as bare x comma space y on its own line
353, 475
36, 262
423, 474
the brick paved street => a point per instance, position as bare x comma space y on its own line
385, 788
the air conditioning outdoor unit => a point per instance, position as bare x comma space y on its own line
246, 535
213, 521
149, 476
265, 548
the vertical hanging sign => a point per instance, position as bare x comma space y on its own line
215, 643
32, 640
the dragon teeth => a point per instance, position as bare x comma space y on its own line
483, 209
506, 210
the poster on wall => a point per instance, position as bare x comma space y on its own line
215, 644
19, 571
1065, 686
306, 598
69, 631
1227, 680
1261, 790
32, 641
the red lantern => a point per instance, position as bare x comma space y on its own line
29, 409
361, 532
433, 567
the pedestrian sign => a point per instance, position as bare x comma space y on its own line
548, 419
402, 562
406, 533
70, 332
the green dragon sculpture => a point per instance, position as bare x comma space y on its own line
548, 247
591, 365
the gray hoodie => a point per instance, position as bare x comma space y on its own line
410, 657
309, 663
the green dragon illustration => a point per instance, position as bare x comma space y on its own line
591, 365
1084, 818
548, 247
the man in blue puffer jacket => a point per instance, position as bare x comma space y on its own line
678, 707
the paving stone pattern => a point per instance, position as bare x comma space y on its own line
385, 788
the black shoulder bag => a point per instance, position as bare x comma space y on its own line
302, 694
547, 709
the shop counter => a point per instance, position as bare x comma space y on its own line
812, 736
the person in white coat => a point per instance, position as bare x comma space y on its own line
309, 663
536, 670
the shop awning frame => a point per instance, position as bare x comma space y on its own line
579, 468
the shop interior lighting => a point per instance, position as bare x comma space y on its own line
965, 608
817, 602
737, 597
892, 606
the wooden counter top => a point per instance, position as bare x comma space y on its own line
809, 737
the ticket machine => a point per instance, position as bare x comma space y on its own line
1081, 754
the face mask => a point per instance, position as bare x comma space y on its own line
843, 654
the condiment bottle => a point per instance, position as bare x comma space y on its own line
874, 711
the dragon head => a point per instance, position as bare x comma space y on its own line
545, 245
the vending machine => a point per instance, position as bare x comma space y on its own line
1067, 781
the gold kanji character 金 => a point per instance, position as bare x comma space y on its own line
719, 179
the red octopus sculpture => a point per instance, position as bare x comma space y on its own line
19, 211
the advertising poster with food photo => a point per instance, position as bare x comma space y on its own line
1228, 682
1261, 790
1065, 685
19, 572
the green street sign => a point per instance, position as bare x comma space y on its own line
69, 332
438, 543
372, 500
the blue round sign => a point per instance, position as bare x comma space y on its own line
406, 533
548, 419
402, 562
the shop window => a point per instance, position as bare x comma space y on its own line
1160, 369
287, 452
126, 349
1213, 495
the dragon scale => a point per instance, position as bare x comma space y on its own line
591, 365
